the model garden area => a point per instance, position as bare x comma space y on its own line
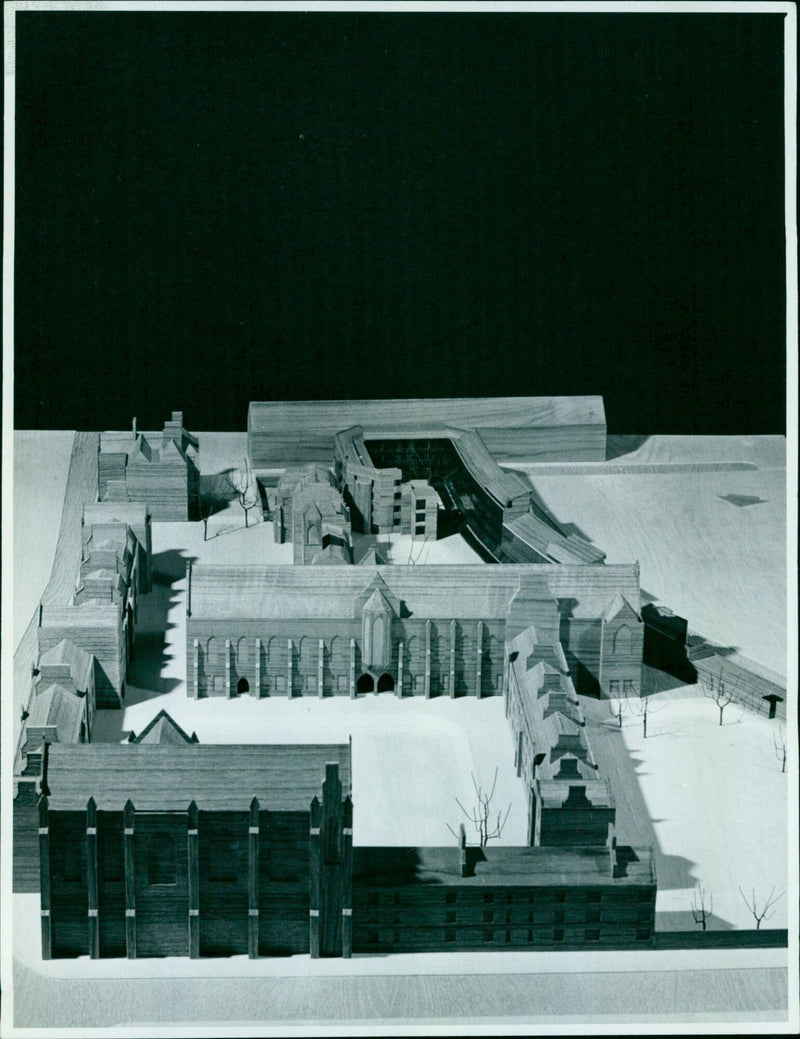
316, 583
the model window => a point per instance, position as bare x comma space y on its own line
558, 935
450, 916
161, 859
558, 916
450, 897
613, 687
593, 936
449, 934
420, 503
311, 683
280, 683
488, 896
343, 681
592, 916
627, 686
488, 916
419, 528
643, 934
593, 896
488, 934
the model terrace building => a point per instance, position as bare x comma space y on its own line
157, 469
424, 631
541, 429
496, 510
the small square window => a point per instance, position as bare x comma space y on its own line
488, 896
420, 503
488, 916
558, 916
593, 936
488, 934
643, 934
450, 916
450, 934
627, 685
450, 897
558, 935
419, 529
613, 687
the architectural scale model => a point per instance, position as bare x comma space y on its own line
165, 845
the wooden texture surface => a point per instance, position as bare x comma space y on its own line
550, 428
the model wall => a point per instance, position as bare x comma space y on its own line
162, 887
226, 655
439, 917
536, 429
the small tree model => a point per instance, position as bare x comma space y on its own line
722, 695
701, 912
617, 710
244, 488
480, 815
643, 708
752, 905
780, 748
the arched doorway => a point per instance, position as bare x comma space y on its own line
242, 686
385, 684
365, 684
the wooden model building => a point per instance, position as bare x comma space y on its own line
415, 630
163, 846
157, 469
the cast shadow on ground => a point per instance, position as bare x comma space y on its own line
743, 500
146, 669
624, 770
619, 445
678, 920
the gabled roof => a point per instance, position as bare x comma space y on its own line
619, 604
170, 452
217, 777
371, 558
164, 729
57, 706
66, 653
141, 452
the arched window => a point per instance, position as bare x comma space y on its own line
242, 686
366, 684
623, 640
385, 683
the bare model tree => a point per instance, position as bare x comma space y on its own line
780, 748
701, 912
617, 710
481, 814
722, 695
752, 905
244, 489
643, 708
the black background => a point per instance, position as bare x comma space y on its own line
218, 208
